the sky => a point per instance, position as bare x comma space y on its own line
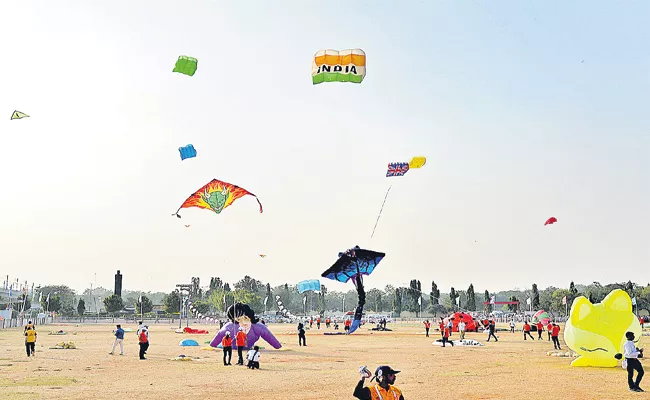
524, 110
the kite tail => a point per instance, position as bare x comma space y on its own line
258, 202
382, 209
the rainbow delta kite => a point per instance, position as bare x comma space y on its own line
215, 196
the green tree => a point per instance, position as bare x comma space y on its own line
113, 303
398, 301
435, 293
66, 299
488, 307
557, 303
147, 305
81, 307
535, 299
453, 296
54, 304
512, 307
471, 298
172, 302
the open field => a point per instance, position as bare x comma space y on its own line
326, 369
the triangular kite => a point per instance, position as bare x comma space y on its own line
18, 115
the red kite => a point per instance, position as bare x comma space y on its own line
551, 220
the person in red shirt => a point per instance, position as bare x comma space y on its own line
318, 323
445, 337
143, 340
347, 324
442, 327
427, 325
527, 331
549, 329
327, 322
241, 343
226, 345
555, 333
540, 330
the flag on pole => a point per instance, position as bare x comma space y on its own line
633, 301
304, 300
40, 297
140, 299
224, 299
528, 301
492, 299
48, 298
419, 300
564, 300
265, 299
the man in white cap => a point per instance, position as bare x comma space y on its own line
384, 390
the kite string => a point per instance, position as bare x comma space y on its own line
382, 208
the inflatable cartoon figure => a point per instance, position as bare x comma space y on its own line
242, 315
597, 331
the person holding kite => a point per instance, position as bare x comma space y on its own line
384, 388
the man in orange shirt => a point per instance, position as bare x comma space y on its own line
143, 340
427, 325
527, 331
555, 333
318, 322
226, 345
540, 330
241, 343
347, 324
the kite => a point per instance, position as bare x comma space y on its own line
550, 221
398, 169
262, 255
338, 66
417, 162
541, 316
597, 331
215, 196
310, 284
18, 115
187, 226
241, 315
353, 264
187, 151
186, 65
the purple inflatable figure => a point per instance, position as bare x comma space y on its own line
257, 330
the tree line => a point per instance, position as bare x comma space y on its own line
218, 295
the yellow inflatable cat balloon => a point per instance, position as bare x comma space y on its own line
597, 331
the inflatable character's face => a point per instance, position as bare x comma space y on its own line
597, 331
244, 323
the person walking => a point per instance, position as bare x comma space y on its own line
427, 326
540, 330
119, 338
549, 330
527, 331
632, 355
555, 333
461, 329
318, 323
445, 337
302, 341
143, 341
384, 389
226, 345
441, 326
491, 329
512, 326
241, 343
30, 341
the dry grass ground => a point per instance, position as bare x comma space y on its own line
326, 369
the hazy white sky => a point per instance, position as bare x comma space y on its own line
524, 110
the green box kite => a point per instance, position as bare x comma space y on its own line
186, 65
